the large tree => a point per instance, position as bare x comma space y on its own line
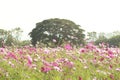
56, 31
10, 36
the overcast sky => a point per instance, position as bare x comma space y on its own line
92, 15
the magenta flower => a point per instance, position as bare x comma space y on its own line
20, 51
112, 76
54, 64
110, 66
29, 60
45, 69
68, 47
80, 78
82, 50
111, 55
46, 63
90, 46
69, 64
102, 58
1, 49
32, 50
11, 55
110, 52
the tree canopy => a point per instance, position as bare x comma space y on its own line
114, 41
57, 31
10, 36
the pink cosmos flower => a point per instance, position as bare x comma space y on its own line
20, 51
110, 66
102, 58
82, 50
46, 51
80, 78
112, 76
117, 69
12, 55
110, 54
54, 64
32, 49
68, 47
90, 46
1, 49
29, 60
57, 68
46, 63
45, 69
69, 64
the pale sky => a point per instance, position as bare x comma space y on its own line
92, 15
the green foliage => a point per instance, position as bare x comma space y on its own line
61, 30
9, 40
114, 41
24, 43
92, 36
101, 39
3, 36
3, 33
0, 42
10, 37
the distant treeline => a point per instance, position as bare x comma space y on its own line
55, 32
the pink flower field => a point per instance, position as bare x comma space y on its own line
89, 62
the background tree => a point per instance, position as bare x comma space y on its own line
3, 36
115, 33
10, 37
114, 41
25, 43
101, 39
56, 31
92, 36
10, 40
16, 33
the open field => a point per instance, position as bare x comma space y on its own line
86, 63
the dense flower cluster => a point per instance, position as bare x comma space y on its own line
89, 60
